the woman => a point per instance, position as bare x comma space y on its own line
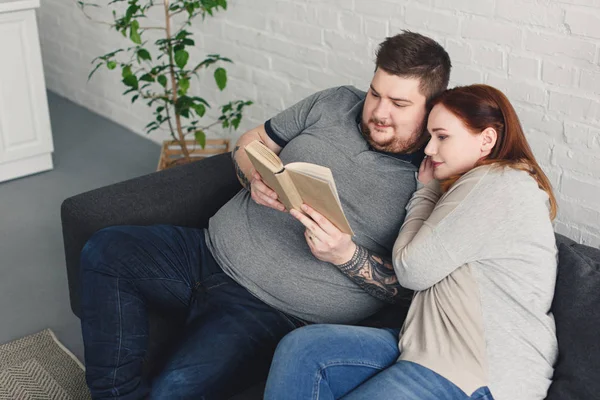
478, 248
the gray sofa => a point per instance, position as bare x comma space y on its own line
189, 195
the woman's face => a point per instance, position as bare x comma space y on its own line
453, 148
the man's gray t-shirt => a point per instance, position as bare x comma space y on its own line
265, 250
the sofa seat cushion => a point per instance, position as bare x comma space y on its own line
576, 309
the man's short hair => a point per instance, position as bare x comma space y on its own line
411, 55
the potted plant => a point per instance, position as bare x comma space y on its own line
161, 73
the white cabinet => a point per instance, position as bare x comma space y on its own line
25, 134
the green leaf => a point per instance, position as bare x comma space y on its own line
162, 80
131, 11
111, 65
188, 42
144, 54
134, 98
221, 78
184, 85
222, 3
134, 35
147, 78
200, 138
183, 105
200, 99
181, 58
200, 109
236, 122
126, 71
225, 124
131, 81
182, 34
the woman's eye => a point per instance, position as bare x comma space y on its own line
442, 137
374, 94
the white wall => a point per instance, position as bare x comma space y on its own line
544, 54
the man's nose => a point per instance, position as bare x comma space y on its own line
381, 112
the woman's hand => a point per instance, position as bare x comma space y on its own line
426, 171
326, 241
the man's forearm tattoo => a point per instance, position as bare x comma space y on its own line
374, 274
238, 171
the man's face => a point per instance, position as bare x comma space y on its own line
394, 112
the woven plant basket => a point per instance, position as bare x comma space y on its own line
171, 154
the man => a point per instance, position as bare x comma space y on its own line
258, 272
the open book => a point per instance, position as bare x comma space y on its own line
299, 182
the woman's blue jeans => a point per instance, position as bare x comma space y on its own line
328, 362
229, 335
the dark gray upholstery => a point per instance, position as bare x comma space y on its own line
190, 194
576, 309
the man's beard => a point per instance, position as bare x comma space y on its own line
394, 145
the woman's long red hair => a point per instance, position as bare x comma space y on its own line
482, 106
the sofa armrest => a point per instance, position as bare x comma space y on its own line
187, 195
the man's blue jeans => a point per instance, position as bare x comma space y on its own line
328, 362
229, 336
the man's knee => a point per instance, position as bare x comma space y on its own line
102, 249
181, 384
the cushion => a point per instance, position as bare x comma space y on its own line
576, 309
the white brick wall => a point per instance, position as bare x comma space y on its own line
544, 54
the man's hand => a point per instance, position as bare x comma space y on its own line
264, 195
326, 241
241, 162
426, 171
370, 271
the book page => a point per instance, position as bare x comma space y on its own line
259, 152
320, 193
316, 171
274, 176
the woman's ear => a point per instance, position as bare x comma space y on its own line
489, 136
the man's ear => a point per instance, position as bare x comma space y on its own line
489, 136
